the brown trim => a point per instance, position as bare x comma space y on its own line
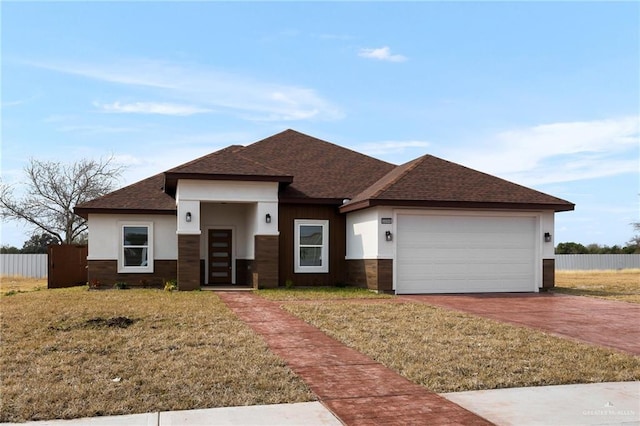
324, 201
85, 212
358, 205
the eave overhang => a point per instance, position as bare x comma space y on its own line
85, 212
171, 179
363, 204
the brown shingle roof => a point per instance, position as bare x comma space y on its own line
431, 181
320, 169
227, 164
146, 196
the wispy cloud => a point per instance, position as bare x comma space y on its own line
161, 108
558, 152
7, 104
381, 54
236, 94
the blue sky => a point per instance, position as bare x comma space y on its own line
545, 94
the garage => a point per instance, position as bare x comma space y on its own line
465, 253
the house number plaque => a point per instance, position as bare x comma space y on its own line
386, 221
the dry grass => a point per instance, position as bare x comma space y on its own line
16, 284
63, 351
319, 293
623, 285
447, 351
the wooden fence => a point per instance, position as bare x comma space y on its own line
26, 265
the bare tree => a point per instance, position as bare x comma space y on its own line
53, 189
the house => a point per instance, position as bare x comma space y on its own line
294, 207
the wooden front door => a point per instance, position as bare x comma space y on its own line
220, 257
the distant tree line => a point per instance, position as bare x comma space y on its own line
577, 248
633, 246
38, 243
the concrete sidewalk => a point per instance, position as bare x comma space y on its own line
304, 413
590, 404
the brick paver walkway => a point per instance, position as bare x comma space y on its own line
355, 388
596, 321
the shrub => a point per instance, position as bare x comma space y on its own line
170, 285
121, 285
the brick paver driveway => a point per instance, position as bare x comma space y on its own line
597, 321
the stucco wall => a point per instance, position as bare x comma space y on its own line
105, 233
193, 195
547, 224
366, 234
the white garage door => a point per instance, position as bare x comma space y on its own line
465, 254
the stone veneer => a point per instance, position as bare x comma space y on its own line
548, 274
374, 274
104, 274
265, 265
188, 262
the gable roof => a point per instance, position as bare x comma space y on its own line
311, 170
430, 181
226, 164
321, 170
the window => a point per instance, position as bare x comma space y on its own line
136, 247
311, 246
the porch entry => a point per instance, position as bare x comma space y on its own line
220, 256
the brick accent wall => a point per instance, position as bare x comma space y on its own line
266, 261
548, 274
105, 274
374, 274
188, 262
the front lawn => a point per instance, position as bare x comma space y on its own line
319, 293
623, 285
17, 284
446, 351
72, 353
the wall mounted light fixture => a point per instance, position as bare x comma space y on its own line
267, 218
388, 236
188, 217
547, 237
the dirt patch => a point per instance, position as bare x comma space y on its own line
119, 322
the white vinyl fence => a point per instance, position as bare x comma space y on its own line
570, 262
26, 265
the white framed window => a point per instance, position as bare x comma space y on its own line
311, 241
136, 247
